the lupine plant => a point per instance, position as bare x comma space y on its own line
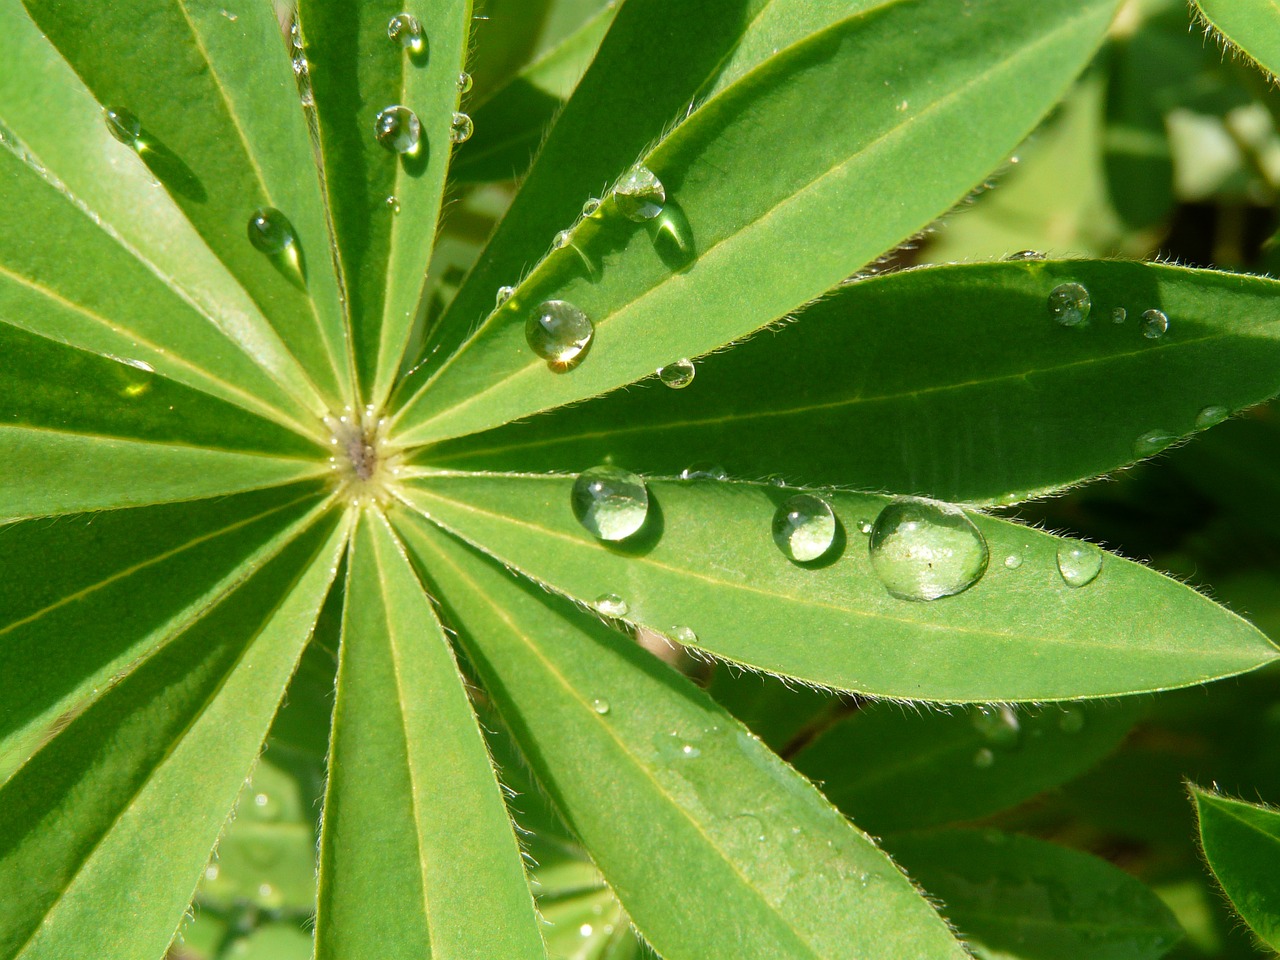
617, 550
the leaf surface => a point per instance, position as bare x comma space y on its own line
1250, 25
705, 560
1241, 841
410, 779
667, 791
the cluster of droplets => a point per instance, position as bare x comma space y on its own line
396, 127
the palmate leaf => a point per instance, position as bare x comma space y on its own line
1241, 842
1250, 26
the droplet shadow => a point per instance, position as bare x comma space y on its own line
170, 169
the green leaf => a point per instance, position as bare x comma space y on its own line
668, 792
1017, 897
223, 130
1242, 844
952, 382
356, 71
1249, 25
706, 561
73, 585
143, 284
511, 121
152, 764
410, 779
892, 770
839, 158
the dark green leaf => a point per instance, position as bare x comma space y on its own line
1242, 844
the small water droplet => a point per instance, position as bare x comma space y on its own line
464, 82
689, 752
865, 527
271, 232
1152, 442
1071, 720
1069, 304
639, 194
1211, 416
406, 30
230, 16
609, 502
591, 207
504, 294
924, 550
804, 528
1026, 255
611, 605
1119, 315
211, 872
677, 375
1079, 562
684, 635
600, 706
1013, 561
704, 470
1154, 324
461, 128
393, 204
295, 35
777, 482
558, 331
261, 799
562, 239
124, 126
984, 759
998, 725
397, 129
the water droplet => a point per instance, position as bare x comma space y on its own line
1154, 324
865, 527
261, 799
600, 706
558, 331
1069, 304
585, 930
704, 470
611, 503
924, 550
233, 17
639, 194
461, 128
1026, 255
464, 82
1013, 561
677, 375
504, 294
1152, 442
591, 207
998, 725
684, 635
689, 752
804, 528
1119, 315
211, 872
295, 35
397, 129
562, 239
393, 204
611, 605
984, 758
1071, 720
271, 232
406, 30
124, 126
1210, 416
1079, 562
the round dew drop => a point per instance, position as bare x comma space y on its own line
406, 30
1069, 304
1155, 324
397, 129
503, 295
684, 635
1119, 315
562, 239
1013, 561
123, 125
461, 128
270, 231
610, 503
804, 528
611, 605
924, 550
393, 204
1152, 442
591, 207
1210, 416
558, 331
464, 83
601, 707
1079, 563
639, 194
677, 375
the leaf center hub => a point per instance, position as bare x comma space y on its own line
363, 464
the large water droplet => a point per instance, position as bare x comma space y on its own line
677, 375
998, 726
1211, 416
397, 129
611, 605
923, 550
558, 331
804, 528
611, 503
1079, 562
464, 82
461, 128
639, 194
1152, 442
124, 126
271, 232
1069, 304
1154, 324
704, 470
406, 30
